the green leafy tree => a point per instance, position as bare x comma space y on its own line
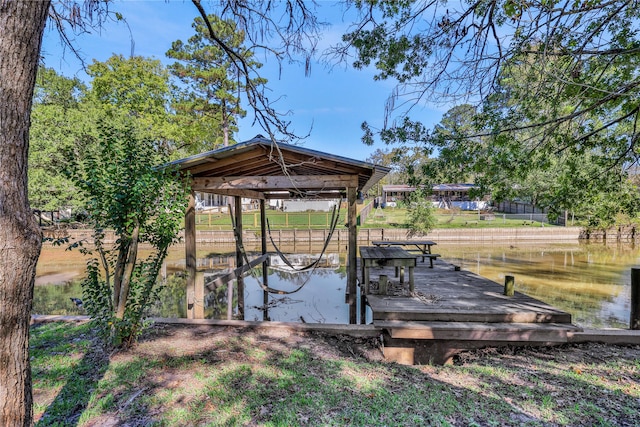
56, 117
22, 26
136, 86
557, 83
447, 54
210, 99
143, 204
421, 214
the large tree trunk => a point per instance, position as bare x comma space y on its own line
21, 27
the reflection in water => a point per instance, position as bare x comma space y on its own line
590, 281
320, 300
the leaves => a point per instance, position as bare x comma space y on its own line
127, 192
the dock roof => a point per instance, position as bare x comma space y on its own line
262, 169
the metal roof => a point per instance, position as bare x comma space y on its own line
277, 170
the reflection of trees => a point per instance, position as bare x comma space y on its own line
54, 299
171, 297
217, 302
298, 277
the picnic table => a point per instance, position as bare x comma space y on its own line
374, 256
421, 247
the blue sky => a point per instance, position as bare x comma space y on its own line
330, 103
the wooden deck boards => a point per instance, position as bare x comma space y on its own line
452, 310
447, 295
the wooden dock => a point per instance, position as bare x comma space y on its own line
452, 310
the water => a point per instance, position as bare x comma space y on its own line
590, 281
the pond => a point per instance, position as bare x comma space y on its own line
590, 281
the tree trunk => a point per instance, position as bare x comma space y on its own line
22, 24
127, 272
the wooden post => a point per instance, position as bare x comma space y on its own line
509, 282
190, 253
383, 282
352, 256
230, 291
265, 264
635, 299
198, 300
239, 254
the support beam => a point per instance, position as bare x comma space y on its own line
198, 299
190, 253
352, 254
237, 201
265, 264
307, 182
234, 274
249, 194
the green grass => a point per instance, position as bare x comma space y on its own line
386, 218
277, 220
253, 380
397, 218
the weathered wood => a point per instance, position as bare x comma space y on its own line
432, 257
198, 300
533, 332
352, 268
308, 182
374, 256
250, 194
237, 201
419, 247
382, 284
265, 264
238, 272
635, 299
460, 296
190, 252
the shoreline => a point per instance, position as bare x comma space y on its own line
365, 235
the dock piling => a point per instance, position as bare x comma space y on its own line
383, 282
509, 283
635, 299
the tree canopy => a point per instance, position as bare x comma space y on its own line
547, 92
210, 98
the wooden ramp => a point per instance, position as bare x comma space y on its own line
452, 310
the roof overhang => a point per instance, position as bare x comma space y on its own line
262, 169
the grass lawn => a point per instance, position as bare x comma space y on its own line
387, 218
211, 376
397, 217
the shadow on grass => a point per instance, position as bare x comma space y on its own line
72, 400
190, 375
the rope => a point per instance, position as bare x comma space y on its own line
332, 228
241, 249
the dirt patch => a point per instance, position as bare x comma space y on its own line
166, 340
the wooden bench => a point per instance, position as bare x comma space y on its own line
386, 257
431, 258
417, 247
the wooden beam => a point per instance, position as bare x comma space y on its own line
352, 270
305, 182
265, 264
190, 253
249, 194
237, 205
238, 272
320, 195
